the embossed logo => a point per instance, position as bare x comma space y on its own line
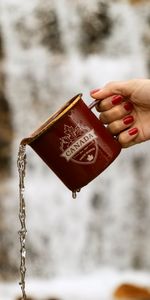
79, 144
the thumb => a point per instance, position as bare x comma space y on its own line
124, 88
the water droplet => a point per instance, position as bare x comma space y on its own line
74, 195
23, 254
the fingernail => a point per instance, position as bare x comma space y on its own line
133, 131
128, 120
128, 106
94, 91
116, 99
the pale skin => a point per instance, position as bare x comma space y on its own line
125, 107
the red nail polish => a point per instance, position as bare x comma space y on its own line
128, 106
128, 120
133, 131
116, 99
94, 91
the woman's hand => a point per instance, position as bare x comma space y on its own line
125, 108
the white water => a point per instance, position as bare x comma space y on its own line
98, 285
108, 223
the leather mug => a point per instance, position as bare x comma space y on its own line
75, 144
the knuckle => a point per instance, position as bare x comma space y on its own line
123, 141
102, 106
114, 127
109, 84
104, 117
118, 111
98, 107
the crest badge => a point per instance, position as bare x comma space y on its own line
79, 144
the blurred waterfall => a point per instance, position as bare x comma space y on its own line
53, 50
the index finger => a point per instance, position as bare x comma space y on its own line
109, 102
124, 88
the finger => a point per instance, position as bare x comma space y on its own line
129, 137
109, 102
116, 113
117, 126
124, 88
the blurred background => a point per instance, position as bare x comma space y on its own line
50, 51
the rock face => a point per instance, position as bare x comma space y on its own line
5, 123
143, 12
47, 30
5, 135
5, 167
95, 27
137, 1
1, 47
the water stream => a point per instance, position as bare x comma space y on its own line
21, 164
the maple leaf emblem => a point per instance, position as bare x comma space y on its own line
71, 135
90, 157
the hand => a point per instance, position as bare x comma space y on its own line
125, 108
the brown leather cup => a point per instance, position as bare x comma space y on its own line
75, 144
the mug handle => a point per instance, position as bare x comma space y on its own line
93, 103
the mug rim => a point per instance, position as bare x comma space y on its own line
52, 119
